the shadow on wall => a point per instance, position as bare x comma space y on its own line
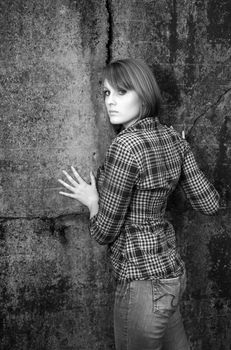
170, 92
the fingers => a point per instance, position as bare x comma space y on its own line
74, 183
66, 185
78, 177
93, 182
67, 194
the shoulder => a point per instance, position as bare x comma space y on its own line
120, 150
124, 142
170, 131
177, 138
130, 141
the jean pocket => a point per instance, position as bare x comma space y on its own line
165, 295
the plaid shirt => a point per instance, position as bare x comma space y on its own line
142, 167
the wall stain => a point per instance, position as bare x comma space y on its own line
110, 31
51, 297
173, 39
170, 92
220, 273
189, 74
90, 24
222, 170
219, 15
2, 232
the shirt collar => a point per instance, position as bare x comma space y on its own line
145, 123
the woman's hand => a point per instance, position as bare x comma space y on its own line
81, 190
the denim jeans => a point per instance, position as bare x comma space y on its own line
147, 315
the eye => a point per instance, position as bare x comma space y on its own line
122, 92
106, 93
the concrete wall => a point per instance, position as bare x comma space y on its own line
56, 289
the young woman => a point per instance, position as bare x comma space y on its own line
142, 167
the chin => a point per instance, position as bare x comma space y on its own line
114, 121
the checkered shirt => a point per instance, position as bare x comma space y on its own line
142, 167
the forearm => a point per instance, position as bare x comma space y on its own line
202, 195
104, 229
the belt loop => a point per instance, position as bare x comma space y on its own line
156, 280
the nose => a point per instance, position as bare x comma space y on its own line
111, 99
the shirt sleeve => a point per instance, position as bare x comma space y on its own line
199, 191
120, 175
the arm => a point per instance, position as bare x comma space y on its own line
120, 175
200, 193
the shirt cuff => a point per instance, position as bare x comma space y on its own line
92, 222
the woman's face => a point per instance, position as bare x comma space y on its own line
123, 107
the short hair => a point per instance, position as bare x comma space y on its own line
134, 74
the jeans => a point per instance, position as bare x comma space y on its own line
147, 315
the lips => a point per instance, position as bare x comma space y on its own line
112, 111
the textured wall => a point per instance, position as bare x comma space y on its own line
56, 291
53, 284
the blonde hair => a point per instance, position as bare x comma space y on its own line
133, 74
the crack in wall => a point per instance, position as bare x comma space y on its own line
109, 31
211, 106
42, 218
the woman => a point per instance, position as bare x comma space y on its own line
143, 165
